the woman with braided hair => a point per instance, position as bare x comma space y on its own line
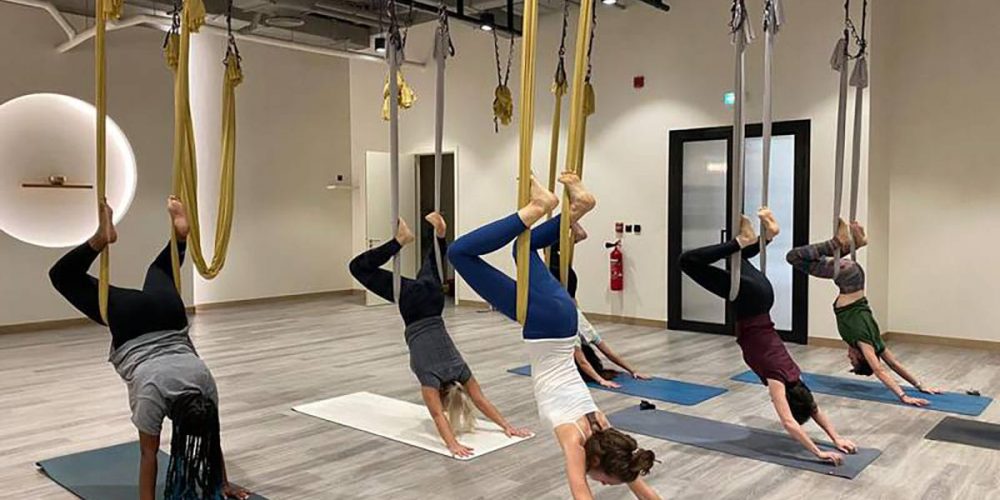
154, 356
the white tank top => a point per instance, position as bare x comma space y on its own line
561, 394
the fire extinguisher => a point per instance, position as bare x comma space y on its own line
617, 266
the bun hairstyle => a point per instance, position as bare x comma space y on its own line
195, 470
458, 408
617, 454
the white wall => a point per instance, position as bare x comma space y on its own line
290, 233
934, 127
687, 60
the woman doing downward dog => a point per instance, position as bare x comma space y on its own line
590, 446
446, 382
153, 354
855, 320
763, 350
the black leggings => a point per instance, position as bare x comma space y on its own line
555, 264
131, 313
756, 294
419, 298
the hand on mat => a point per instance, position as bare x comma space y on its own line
929, 390
609, 384
233, 491
639, 376
520, 432
846, 446
831, 456
460, 450
914, 401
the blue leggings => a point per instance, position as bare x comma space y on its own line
551, 311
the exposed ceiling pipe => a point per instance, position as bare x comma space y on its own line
360, 17
52, 10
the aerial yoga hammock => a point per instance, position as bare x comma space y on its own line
443, 48
774, 18
742, 35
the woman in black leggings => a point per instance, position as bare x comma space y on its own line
763, 350
446, 383
154, 356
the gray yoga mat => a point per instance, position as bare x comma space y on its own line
757, 444
110, 473
968, 432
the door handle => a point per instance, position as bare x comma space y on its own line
722, 235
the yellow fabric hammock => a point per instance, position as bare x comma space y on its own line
406, 98
529, 27
104, 10
503, 105
185, 163
559, 89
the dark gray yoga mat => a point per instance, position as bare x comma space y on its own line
968, 432
758, 444
110, 473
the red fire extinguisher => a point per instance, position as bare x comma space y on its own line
617, 266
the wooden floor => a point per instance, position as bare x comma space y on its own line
58, 395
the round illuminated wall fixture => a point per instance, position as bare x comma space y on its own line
47, 174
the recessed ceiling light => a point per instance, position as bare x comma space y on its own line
287, 22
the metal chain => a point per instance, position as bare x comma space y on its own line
590, 46
851, 30
445, 29
232, 48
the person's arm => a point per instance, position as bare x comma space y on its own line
643, 491
576, 462
780, 402
842, 444
616, 359
589, 370
432, 398
230, 490
149, 446
485, 406
893, 362
882, 374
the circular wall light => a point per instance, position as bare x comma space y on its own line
47, 174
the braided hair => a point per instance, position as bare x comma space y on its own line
195, 471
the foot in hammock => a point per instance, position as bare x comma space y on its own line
581, 201
859, 235
579, 234
106, 233
747, 234
770, 226
404, 235
440, 226
178, 216
844, 236
542, 202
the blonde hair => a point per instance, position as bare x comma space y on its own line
458, 408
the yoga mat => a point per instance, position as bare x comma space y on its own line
968, 432
747, 442
404, 422
949, 402
660, 389
110, 473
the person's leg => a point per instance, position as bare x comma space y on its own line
697, 264
756, 295
491, 284
69, 277
366, 268
160, 275
814, 260
551, 309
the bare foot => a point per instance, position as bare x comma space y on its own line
106, 233
843, 235
859, 235
541, 197
178, 216
579, 234
404, 235
440, 226
770, 226
581, 201
747, 234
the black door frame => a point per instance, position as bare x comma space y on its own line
801, 130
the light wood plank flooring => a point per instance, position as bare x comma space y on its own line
58, 396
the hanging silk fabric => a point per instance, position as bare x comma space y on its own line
839, 62
503, 100
395, 54
178, 50
443, 48
742, 35
529, 28
859, 80
559, 89
773, 20
104, 10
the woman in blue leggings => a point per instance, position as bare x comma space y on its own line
591, 447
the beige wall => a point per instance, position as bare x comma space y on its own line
687, 60
934, 128
290, 233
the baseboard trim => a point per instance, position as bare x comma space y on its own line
211, 306
36, 326
608, 318
983, 345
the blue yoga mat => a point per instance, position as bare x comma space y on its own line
949, 402
660, 389
110, 473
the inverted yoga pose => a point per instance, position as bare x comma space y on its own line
763, 350
855, 320
590, 446
154, 356
446, 383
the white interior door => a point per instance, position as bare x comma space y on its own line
378, 204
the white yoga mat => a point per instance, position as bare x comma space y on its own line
403, 422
